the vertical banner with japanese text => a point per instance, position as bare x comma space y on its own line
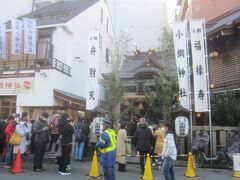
17, 27
200, 72
29, 35
93, 70
182, 62
2, 41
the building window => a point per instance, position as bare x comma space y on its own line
101, 15
107, 25
107, 56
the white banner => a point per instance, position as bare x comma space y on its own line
2, 41
200, 73
93, 70
182, 60
29, 36
17, 27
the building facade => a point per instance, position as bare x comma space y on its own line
55, 78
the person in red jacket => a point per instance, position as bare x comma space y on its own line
10, 128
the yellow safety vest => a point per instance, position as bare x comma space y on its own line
113, 144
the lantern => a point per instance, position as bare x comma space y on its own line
181, 126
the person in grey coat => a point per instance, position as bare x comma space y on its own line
40, 132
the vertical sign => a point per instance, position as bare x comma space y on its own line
29, 36
16, 36
182, 62
200, 72
93, 70
2, 41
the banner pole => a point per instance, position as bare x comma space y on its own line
190, 87
208, 89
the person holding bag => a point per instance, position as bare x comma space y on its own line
10, 128
23, 131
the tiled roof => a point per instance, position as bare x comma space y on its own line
225, 21
59, 12
134, 62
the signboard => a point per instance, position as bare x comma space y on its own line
2, 41
97, 125
93, 71
182, 62
17, 85
199, 61
29, 35
16, 42
181, 126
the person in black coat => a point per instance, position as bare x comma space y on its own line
143, 139
66, 131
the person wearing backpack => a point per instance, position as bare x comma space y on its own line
80, 138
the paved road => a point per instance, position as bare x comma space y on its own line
80, 169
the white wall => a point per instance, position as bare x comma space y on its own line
14, 8
74, 43
43, 88
143, 20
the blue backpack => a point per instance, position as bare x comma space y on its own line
80, 133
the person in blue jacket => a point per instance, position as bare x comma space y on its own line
107, 146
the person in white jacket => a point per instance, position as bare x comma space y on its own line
22, 130
169, 153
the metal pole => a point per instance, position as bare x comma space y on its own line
208, 89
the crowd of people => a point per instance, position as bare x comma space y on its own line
39, 136
157, 141
79, 137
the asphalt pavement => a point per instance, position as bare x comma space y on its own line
81, 169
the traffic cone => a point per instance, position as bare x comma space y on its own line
236, 174
17, 168
94, 173
190, 171
148, 169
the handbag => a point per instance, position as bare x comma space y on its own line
15, 139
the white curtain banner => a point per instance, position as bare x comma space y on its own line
93, 70
200, 73
29, 35
2, 41
182, 59
17, 27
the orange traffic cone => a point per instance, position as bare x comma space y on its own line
17, 168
